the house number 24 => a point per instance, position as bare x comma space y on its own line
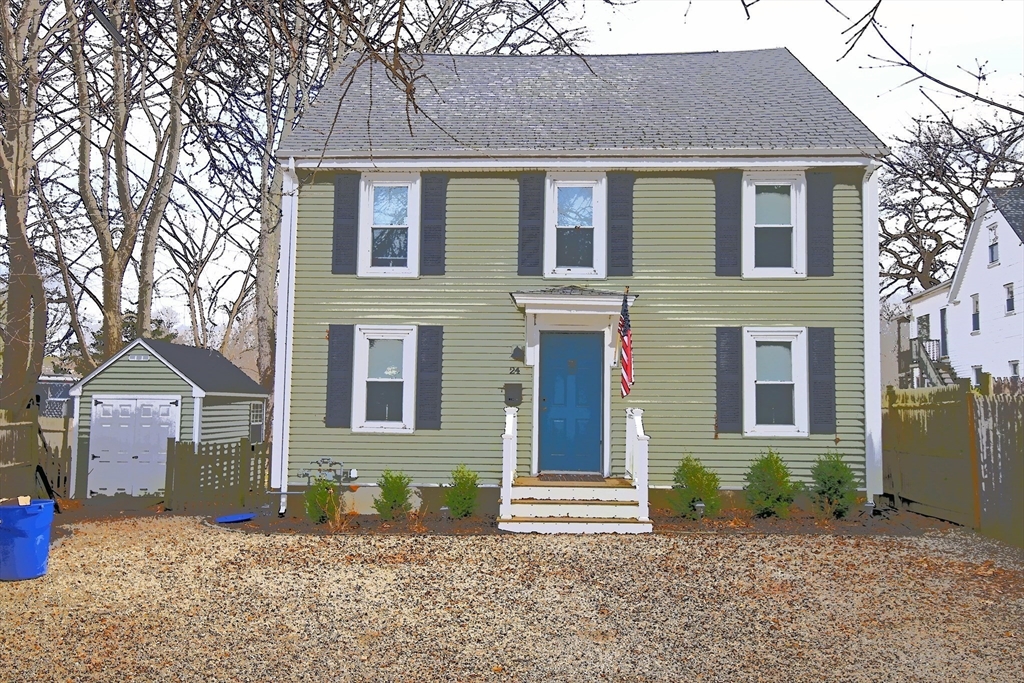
513, 371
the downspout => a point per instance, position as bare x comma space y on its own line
872, 339
285, 316
76, 415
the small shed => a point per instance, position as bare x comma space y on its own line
126, 409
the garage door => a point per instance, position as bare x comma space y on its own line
128, 444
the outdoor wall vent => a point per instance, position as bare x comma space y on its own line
138, 356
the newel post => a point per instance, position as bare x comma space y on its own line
637, 442
508, 460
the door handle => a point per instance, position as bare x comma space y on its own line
135, 457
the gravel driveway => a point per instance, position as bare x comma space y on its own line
169, 598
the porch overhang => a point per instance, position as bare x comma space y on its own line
570, 300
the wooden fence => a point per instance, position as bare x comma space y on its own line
30, 443
221, 473
957, 454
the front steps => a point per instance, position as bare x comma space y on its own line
560, 507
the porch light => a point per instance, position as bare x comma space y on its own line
699, 505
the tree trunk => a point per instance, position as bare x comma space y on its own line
266, 281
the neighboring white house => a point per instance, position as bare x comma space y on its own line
974, 322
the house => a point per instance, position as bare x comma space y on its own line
452, 282
971, 324
126, 409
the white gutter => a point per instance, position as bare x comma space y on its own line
285, 321
589, 163
872, 339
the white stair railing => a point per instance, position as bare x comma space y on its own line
508, 460
637, 458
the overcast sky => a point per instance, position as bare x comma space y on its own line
945, 34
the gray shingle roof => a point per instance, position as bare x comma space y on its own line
1010, 202
757, 101
209, 370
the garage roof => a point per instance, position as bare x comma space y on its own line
205, 369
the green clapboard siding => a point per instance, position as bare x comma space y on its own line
224, 419
680, 304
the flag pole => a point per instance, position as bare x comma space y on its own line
618, 337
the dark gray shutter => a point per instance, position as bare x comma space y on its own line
729, 379
821, 370
728, 222
433, 213
340, 340
620, 223
819, 223
428, 376
531, 223
346, 223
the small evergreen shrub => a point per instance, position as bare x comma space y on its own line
834, 487
769, 489
321, 501
695, 483
393, 500
461, 496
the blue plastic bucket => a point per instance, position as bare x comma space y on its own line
25, 540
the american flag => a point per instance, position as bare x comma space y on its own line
626, 354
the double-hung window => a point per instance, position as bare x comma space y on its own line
993, 245
1011, 305
775, 381
774, 225
975, 314
384, 370
257, 415
389, 229
575, 226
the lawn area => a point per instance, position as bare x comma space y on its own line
168, 598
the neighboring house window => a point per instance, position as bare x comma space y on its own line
943, 338
774, 225
1014, 368
1010, 304
389, 225
575, 227
384, 369
993, 244
975, 314
775, 381
977, 375
256, 419
924, 326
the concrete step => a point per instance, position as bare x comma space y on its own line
576, 492
578, 509
570, 525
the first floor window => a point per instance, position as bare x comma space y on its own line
1014, 368
775, 381
389, 227
977, 375
575, 234
384, 370
1010, 303
774, 217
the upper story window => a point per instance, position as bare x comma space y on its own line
774, 225
775, 381
389, 230
384, 369
575, 227
975, 314
993, 244
1011, 305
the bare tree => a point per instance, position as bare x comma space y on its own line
930, 188
26, 31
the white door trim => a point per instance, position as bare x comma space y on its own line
572, 322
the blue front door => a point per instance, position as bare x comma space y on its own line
571, 374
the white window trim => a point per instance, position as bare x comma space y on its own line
798, 200
360, 367
366, 184
797, 336
599, 183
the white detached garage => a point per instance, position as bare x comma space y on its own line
150, 391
